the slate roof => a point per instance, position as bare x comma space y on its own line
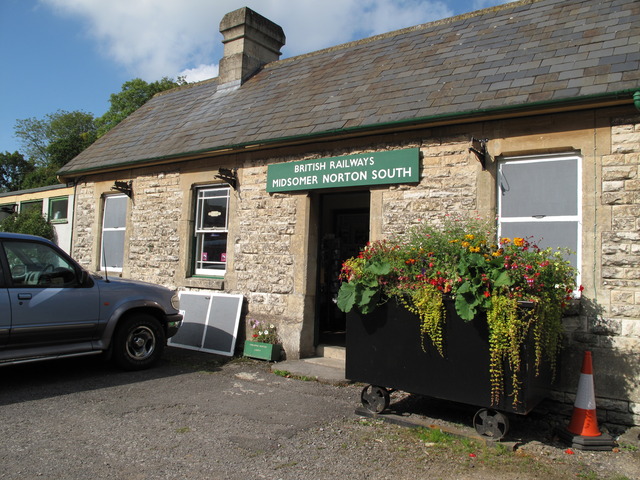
519, 55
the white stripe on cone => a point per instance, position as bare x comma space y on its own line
584, 421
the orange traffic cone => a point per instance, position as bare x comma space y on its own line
584, 421
583, 432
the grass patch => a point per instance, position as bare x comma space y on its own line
287, 374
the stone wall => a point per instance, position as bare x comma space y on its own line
85, 219
154, 242
612, 329
621, 243
271, 252
447, 186
264, 264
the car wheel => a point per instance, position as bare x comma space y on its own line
138, 342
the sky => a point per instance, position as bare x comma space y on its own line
73, 54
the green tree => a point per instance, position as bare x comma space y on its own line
57, 138
134, 94
13, 170
41, 177
29, 221
50, 142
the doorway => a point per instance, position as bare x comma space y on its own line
343, 232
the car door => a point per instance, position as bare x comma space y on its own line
48, 300
5, 309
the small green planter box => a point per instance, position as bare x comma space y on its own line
262, 351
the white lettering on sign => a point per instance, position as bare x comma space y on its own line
344, 177
309, 167
399, 172
351, 162
295, 181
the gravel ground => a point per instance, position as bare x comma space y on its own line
197, 416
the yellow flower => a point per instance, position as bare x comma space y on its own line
469, 237
518, 242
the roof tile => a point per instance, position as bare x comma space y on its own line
515, 54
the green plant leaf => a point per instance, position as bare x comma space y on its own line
465, 309
378, 267
346, 296
368, 300
464, 288
502, 280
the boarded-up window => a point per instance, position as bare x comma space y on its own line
210, 322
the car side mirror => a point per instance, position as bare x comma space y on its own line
85, 279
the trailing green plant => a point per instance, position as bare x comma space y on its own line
462, 258
508, 327
428, 305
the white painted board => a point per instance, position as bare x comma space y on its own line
210, 322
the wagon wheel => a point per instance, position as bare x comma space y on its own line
375, 398
490, 423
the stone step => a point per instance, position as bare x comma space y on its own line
331, 351
328, 370
326, 361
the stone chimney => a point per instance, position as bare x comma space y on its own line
250, 40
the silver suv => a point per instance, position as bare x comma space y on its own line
50, 307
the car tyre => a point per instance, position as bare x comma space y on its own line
138, 342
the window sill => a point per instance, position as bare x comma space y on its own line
210, 283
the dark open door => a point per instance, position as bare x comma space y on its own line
344, 231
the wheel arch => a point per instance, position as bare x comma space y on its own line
128, 310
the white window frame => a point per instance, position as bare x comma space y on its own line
123, 228
200, 231
577, 218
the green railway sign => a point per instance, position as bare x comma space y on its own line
376, 168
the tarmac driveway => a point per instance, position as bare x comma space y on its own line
195, 417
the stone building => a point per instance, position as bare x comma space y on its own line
262, 181
55, 202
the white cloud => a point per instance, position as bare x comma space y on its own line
201, 72
156, 38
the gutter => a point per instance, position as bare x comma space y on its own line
588, 101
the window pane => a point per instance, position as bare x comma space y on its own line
546, 234
115, 211
37, 264
58, 208
29, 206
112, 254
212, 249
213, 210
547, 188
7, 210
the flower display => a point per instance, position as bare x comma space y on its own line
522, 288
262, 331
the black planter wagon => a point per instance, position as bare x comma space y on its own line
384, 350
